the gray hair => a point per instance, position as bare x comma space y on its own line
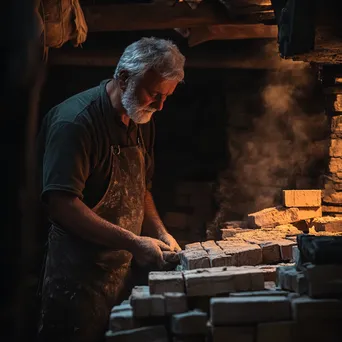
152, 54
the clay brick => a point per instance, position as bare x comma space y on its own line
335, 149
189, 323
148, 305
288, 230
308, 309
302, 198
328, 224
122, 320
194, 246
272, 217
333, 197
122, 307
194, 259
242, 253
270, 253
335, 165
220, 259
210, 246
233, 334
317, 331
245, 310
288, 278
323, 280
296, 255
275, 331
259, 293
150, 334
336, 124
175, 302
161, 282
331, 209
231, 232
286, 249
219, 280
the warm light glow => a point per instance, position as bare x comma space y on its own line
338, 80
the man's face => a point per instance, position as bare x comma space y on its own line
147, 95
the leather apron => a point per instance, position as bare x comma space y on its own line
82, 280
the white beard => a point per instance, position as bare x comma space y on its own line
134, 111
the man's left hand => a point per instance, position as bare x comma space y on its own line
170, 241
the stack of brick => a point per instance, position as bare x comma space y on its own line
331, 80
191, 210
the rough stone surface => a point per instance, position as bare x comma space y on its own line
241, 252
122, 307
333, 197
332, 209
194, 259
270, 252
275, 331
220, 259
245, 310
336, 124
161, 282
189, 323
288, 278
150, 334
175, 302
231, 232
302, 198
306, 309
220, 280
233, 334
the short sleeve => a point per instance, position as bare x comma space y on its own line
66, 159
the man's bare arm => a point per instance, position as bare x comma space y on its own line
74, 216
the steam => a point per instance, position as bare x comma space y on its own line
278, 149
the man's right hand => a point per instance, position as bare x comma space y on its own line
147, 250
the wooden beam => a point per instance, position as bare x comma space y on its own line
194, 59
228, 32
160, 15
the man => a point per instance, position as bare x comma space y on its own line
97, 164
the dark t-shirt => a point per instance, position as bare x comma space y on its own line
74, 145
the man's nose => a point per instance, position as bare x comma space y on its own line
159, 104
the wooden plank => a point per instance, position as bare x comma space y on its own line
159, 15
228, 32
198, 59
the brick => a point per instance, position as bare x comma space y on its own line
270, 253
296, 256
335, 165
194, 259
275, 331
219, 280
210, 246
245, 310
269, 271
235, 224
151, 334
323, 280
194, 246
317, 331
122, 307
233, 334
189, 323
122, 320
331, 209
148, 305
288, 278
227, 233
336, 124
175, 302
333, 197
306, 309
272, 217
286, 249
335, 149
161, 282
288, 230
242, 253
328, 224
259, 293
220, 259
302, 198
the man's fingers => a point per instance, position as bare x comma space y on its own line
177, 248
163, 246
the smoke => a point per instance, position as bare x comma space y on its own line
279, 147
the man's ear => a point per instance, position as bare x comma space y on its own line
123, 79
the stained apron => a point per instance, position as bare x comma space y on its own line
82, 280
